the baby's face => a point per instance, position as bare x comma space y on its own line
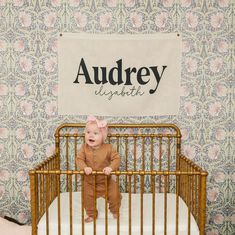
93, 136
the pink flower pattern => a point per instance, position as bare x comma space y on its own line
18, 3
51, 108
2, 191
105, 20
54, 90
167, 3
130, 3
50, 64
213, 232
185, 134
54, 46
81, 19
2, 3
189, 151
25, 19
219, 177
3, 45
26, 107
186, 3
27, 150
213, 152
22, 217
112, 3
161, 20
20, 90
26, 64
216, 65
20, 133
55, 3
74, 3
218, 219
221, 90
190, 108
220, 134
217, 20
191, 65
223, 47
3, 133
136, 20
184, 91
223, 3
26, 193
50, 19
21, 176
212, 194
186, 46
50, 150
4, 175
3, 89
19, 45
215, 108
192, 20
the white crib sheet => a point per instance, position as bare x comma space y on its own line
112, 223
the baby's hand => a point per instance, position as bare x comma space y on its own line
107, 170
88, 170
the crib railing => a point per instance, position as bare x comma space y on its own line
190, 186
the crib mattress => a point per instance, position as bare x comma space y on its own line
124, 219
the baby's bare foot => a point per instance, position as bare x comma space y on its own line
88, 219
115, 216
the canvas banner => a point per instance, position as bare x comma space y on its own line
119, 75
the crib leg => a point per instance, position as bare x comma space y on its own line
33, 201
203, 203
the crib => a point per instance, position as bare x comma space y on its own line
163, 192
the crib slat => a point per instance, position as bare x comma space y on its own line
141, 204
126, 157
118, 218
189, 203
151, 154
168, 162
58, 204
34, 201
165, 205
106, 205
143, 153
129, 204
42, 190
67, 161
82, 206
134, 163
70, 205
94, 203
153, 203
75, 165
177, 205
160, 164
47, 204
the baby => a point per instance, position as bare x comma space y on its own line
98, 156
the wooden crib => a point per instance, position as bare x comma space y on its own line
163, 192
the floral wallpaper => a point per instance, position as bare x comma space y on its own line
29, 78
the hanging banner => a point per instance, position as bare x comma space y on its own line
119, 75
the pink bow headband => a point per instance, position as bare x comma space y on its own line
102, 125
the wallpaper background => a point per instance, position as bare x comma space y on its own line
28, 87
